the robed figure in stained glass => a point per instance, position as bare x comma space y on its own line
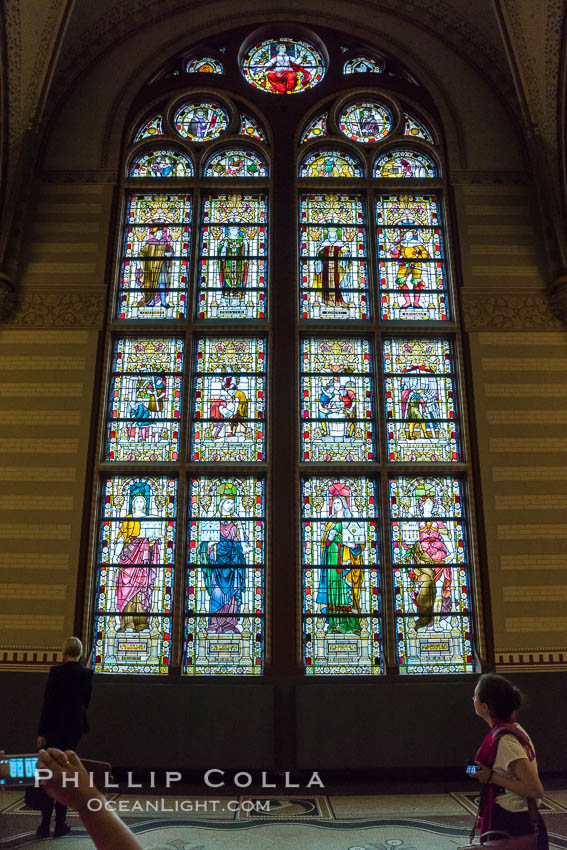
137, 556
283, 71
233, 265
152, 276
409, 249
330, 270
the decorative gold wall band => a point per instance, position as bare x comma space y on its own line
508, 311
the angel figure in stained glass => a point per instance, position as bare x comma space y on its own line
233, 264
340, 584
137, 554
409, 249
332, 272
283, 70
152, 275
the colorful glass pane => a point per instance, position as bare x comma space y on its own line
430, 575
250, 127
341, 579
362, 65
420, 401
365, 121
204, 65
162, 163
404, 163
236, 162
145, 394
225, 577
229, 400
336, 391
154, 270
417, 129
152, 127
135, 577
329, 163
334, 265
316, 128
234, 263
283, 66
201, 122
410, 251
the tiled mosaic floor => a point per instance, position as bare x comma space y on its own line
347, 822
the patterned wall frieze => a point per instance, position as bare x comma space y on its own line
508, 311
61, 309
530, 660
29, 658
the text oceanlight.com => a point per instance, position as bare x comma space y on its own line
166, 804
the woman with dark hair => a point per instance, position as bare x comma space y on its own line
507, 762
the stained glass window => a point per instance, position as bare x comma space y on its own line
411, 258
204, 65
162, 163
365, 121
225, 578
403, 162
250, 127
283, 66
236, 162
229, 400
330, 163
420, 400
201, 122
334, 266
315, 128
233, 257
417, 129
337, 406
362, 65
433, 621
151, 127
145, 399
341, 579
135, 576
157, 237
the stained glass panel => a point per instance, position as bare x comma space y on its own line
365, 121
236, 162
336, 392
152, 127
250, 127
225, 577
145, 394
201, 122
135, 578
403, 162
362, 65
430, 575
417, 129
341, 579
334, 265
204, 65
410, 251
315, 128
154, 269
329, 163
283, 66
233, 257
420, 401
229, 400
162, 163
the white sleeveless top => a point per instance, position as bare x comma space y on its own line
510, 749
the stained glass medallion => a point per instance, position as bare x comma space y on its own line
145, 397
330, 163
404, 163
250, 127
236, 162
362, 65
337, 406
341, 579
157, 239
152, 127
161, 163
417, 129
201, 122
420, 403
233, 266
411, 261
334, 266
229, 400
225, 578
135, 577
204, 65
433, 620
316, 128
365, 121
283, 66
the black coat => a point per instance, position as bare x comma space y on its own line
65, 702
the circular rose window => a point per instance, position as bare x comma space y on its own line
201, 122
365, 121
283, 66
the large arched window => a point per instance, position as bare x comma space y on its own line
283, 474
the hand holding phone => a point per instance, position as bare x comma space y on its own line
471, 768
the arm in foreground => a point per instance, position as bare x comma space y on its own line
526, 781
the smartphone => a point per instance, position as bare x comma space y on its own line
471, 768
17, 770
